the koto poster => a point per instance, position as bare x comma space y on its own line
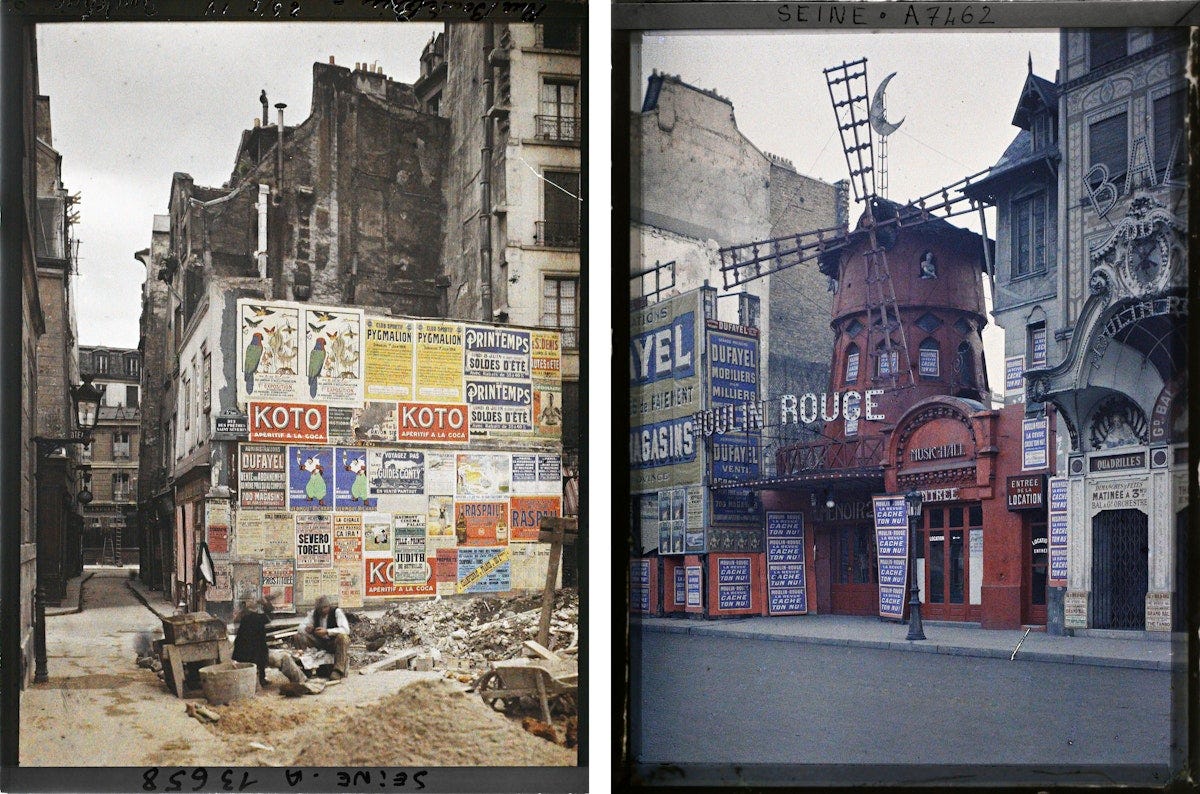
377, 578
891, 541
484, 570
332, 355
439, 362
310, 478
314, 540
350, 480
347, 540
267, 351
483, 474
481, 523
441, 473
262, 476
496, 353
388, 350
440, 516
350, 587
377, 534
527, 512
279, 584
546, 357
396, 471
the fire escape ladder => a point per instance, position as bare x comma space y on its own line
883, 316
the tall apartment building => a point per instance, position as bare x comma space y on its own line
110, 535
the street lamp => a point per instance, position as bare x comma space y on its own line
913, 500
85, 399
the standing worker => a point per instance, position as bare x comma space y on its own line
327, 628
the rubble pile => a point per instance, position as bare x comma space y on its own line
473, 631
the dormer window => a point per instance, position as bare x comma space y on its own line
1042, 130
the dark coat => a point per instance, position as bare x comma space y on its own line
250, 644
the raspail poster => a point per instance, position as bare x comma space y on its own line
310, 478
409, 550
439, 520
787, 583
441, 473
377, 534
484, 570
314, 540
351, 479
388, 351
499, 407
311, 585
546, 357
526, 514
350, 587
891, 546
268, 352
395, 471
496, 353
262, 476
279, 584
347, 540
332, 355
439, 362
547, 412
481, 523
483, 474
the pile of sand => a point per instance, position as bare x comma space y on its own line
429, 723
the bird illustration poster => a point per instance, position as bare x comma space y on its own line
310, 478
268, 339
332, 360
350, 480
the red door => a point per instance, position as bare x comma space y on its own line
854, 587
945, 537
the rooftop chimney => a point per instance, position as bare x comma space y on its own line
263, 99
331, 63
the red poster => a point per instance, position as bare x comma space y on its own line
527, 513
218, 540
481, 523
432, 422
379, 583
446, 567
295, 422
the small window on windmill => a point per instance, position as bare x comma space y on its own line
928, 265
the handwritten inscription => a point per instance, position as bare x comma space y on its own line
925, 16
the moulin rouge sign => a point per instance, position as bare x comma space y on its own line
793, 409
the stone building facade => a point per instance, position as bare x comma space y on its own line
110, 534
1092, 291
698, 184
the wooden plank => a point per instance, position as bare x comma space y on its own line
541, 650
391, 662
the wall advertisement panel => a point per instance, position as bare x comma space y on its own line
787, 580
891, 544
388, 350
268, 351
333, 361
1058, 531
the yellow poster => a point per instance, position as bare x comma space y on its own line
279, 534
250, 537
439, 362
388, 351
546, 356
317, 583
350, 587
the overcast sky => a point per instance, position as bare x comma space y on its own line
131, 104
955, 91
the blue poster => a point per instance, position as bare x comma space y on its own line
1038, 343
484, 569
693, 585
1058, 494
524, 470
310, 478
350, 479
499, 353
928, 362
734, 507
639, 585
735, 457
549, 469
733, 381
1014, 374
891, 547
787, 581
666, 443
680, 587
668, 351
1034, 444
733, 583
389, 471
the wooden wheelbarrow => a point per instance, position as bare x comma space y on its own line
509, 681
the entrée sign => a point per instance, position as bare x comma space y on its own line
793, 409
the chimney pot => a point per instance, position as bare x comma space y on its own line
331, 63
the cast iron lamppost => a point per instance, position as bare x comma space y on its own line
86, 400
913, 500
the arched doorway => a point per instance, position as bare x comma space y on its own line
1120, 571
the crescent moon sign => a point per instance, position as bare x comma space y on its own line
876, 113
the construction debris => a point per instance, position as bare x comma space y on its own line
472, 632
201, 712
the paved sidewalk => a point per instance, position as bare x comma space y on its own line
72, 600
944, 638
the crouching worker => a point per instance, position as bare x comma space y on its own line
250, 644
327, 628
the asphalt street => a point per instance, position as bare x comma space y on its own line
722, 700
